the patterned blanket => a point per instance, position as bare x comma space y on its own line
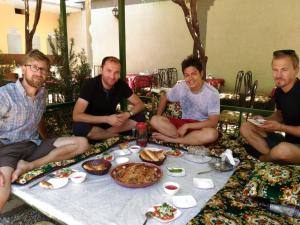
94, 150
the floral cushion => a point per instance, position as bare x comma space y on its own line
231, 206
278, 183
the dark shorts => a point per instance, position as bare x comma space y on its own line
180, 122
274, 139
27, 150
82, 129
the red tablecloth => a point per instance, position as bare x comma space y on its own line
216, 82
136, 81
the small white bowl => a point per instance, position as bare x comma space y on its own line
78, 177
171, 188
121, 160
135, 148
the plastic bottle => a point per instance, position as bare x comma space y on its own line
281, 209
141, 134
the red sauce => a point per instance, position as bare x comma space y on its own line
171, 187
77, 177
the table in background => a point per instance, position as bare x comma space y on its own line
137, 81
99, 200
216, 82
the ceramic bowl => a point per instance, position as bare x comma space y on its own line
78, 177
171, 188
135, 148
96, 166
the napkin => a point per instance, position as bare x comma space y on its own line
227, 156
203, 183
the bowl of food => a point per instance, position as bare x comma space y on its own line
156, 157
78, 177
136, 175
96, 166
135, 148
171, 188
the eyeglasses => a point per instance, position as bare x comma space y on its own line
36, 69
284, 52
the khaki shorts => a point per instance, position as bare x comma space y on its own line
27, 150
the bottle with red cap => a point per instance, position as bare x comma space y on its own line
141, 134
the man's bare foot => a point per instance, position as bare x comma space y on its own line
22, 167
1, 179
162, 137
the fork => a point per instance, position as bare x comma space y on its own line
49, 175
148, 216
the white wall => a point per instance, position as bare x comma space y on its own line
77, 30
156, 36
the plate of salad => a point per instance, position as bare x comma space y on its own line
107, 156
165, 213
173, 152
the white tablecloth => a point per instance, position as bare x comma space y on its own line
100, 201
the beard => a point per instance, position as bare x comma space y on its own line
35, 82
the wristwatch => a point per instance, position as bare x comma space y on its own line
130, 113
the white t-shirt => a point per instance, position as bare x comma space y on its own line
197, 106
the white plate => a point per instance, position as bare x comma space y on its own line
197, 158
58, 182
257, 122
184, 201
154, 149
174, 174
122, 152
105, 156
121, 160
176, 215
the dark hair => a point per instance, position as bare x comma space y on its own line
191, 61
35, 54
287, 53
110, 58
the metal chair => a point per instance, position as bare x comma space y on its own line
172, 76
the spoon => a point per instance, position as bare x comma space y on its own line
148, 216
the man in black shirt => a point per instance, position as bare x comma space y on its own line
268, 145
95, 114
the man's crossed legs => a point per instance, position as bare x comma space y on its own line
268, 147
18, 158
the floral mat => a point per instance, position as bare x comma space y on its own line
45, 169
231, 205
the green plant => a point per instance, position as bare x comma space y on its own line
69, 80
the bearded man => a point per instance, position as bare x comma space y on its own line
22, 107
266, 141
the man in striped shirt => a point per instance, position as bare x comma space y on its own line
21, 122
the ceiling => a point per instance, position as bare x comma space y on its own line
48, 5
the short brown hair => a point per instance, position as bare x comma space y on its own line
287, 53
110, 58
35, 54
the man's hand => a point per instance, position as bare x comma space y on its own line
182, 130
124, 116
114, 120
271, 125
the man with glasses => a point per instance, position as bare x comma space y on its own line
21, 122
95, 114
265, 141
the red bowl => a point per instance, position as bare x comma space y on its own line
96, 162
